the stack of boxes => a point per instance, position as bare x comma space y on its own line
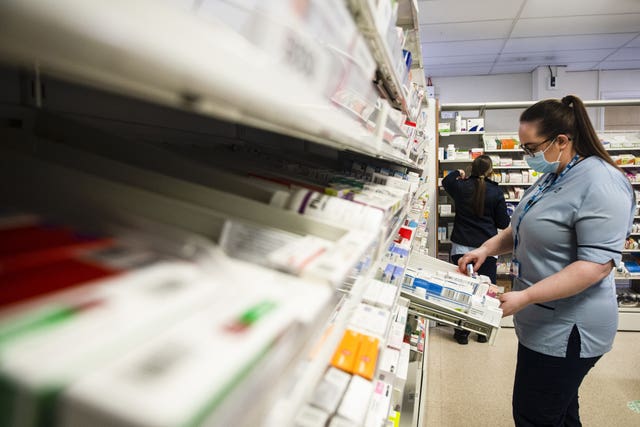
474, 296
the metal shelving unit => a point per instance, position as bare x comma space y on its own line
456, 161
461, 133
259, 93
621, 149
366, 21
193, 67
514, 150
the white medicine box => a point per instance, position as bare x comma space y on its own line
475, 125
445, 209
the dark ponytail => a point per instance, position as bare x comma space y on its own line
480, 168
567, 116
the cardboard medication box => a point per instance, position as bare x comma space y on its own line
475, 125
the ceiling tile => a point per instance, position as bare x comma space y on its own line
556, 58
459, 59
626, 54
475, 70
513, 68
439, 11
550, 44
536, 27
581, 66
635, 42
546, 8
481, 47
465, 31
619, 65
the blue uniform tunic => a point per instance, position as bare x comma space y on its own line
585, 215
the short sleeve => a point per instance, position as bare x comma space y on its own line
602, 223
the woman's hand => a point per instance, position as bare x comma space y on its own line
513, 302
475, 257
462, 174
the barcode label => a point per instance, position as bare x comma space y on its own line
456, 296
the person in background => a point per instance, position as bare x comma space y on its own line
566, 236
480, 211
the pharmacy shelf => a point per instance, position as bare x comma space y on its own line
631, 251
616, 149
366, 21
203, 211
511, 167
393, 232
515, 150
520, 184
512, 200
166, 197
508, 105
408, 19
442, 314
434, 311
461, 133
634, 234
311, 373
629, 319
635, 183
250, 88
413, 407
451, 215
168, 201
422, 189
456, 161
629, 166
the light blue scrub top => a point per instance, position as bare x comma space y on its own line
586, 215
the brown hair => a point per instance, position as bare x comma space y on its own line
480, 168
567, 116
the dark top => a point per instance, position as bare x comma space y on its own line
469, 229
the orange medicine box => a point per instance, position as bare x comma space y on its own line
508, 143
367, 357
345, 355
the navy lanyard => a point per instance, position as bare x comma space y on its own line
548, 182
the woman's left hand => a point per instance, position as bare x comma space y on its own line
513, 302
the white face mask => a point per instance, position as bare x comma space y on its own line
538, 163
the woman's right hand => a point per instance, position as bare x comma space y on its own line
475, 257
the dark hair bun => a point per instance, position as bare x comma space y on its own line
568, 100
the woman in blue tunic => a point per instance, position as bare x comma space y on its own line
566, 236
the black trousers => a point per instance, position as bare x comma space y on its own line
545, 390
489, 269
